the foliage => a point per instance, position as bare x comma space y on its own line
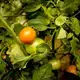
43, 73
55, 23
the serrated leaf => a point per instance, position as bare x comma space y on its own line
17, 57
75, 26
60, 20
62, 34
43, 73
32, 7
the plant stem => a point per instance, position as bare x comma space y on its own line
76, 14
9, 29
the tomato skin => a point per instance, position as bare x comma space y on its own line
27, 35
56, 64
72, 69
31, 48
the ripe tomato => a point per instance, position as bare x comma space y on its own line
56, 64
31, 48
27, 35
72, 69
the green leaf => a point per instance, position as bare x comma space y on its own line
40, 27
42, 48
60, 4
17, 57
75, 25
60, 20
62, 34
2, 67
73, 45
4, 10
68, 5
32, 7
27, 1
47, 12
78, 62
43, 73
10, 8
1, 24
54, 11
21, 19
17, 4
17, 28
2, 64
2, 37
42, 52
39, 56
46, 21
69, 35
38, 21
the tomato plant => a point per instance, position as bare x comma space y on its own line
40, 39
27, 35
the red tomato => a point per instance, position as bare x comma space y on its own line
27, 35
72, 69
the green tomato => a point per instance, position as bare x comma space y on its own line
56, 64
31, 48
